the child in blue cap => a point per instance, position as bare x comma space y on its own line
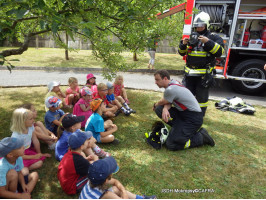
74, 166
12, 180
100, 180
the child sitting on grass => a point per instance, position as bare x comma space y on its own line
72, 93
91, 83
82, 107
102, 130
101, 185
13, 183
73, 168
71, 124
42, 133
119, 89
109, 109
22, 128
53, 117
54, 90
118, 101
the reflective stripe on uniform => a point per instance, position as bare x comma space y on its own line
202, 105
187, 145
182, 51
194, 71
215, 48
198, 53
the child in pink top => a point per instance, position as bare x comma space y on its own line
119, 89
72, 93
82, 107
91, 83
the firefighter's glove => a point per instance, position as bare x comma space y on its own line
208, 80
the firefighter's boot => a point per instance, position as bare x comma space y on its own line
207, 139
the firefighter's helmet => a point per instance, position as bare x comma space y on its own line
201, 20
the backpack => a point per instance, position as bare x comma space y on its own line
157, 137
235, 104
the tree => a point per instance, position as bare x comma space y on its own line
129, 20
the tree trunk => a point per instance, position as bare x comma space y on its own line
135, 56
66, 51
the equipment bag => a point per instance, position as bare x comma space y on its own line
235, 104
157, 137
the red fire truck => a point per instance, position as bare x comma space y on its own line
242, 25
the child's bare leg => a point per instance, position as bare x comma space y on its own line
120, 99
12, 180
43, 136
25, 171
118, 193
109, 114
107, 124
117, 103
107, 139
70, 99
33, 179
124, 93
36, 165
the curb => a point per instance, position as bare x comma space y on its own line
77, 69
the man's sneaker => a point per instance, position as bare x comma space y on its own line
115, 142
149, 197
131, 110
207, 139
127, 112
51, 146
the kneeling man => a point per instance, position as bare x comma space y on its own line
180, 109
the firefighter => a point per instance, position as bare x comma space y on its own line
200, 49
180, 109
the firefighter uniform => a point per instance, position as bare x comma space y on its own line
200, 59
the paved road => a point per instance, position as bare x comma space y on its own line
132, 80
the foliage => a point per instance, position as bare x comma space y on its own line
130, 21
54, 57
233, 169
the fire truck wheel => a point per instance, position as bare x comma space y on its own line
252, 68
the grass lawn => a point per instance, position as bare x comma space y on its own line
54, 57
234, 168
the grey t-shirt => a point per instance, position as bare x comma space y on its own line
181, 97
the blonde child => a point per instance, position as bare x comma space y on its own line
119, 89
72, 93
23, 128
42, 133
91, 83
102, 130
12, 180
55, 90
82, 107
73, 169
71, 124
118, 101
109, 110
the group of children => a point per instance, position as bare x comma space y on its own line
84, 167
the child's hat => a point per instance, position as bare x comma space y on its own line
78, 138
52, 101
9, 144
70, 119
52, 84
85, 91
95, 104
89, 76
101, 169
109, 85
